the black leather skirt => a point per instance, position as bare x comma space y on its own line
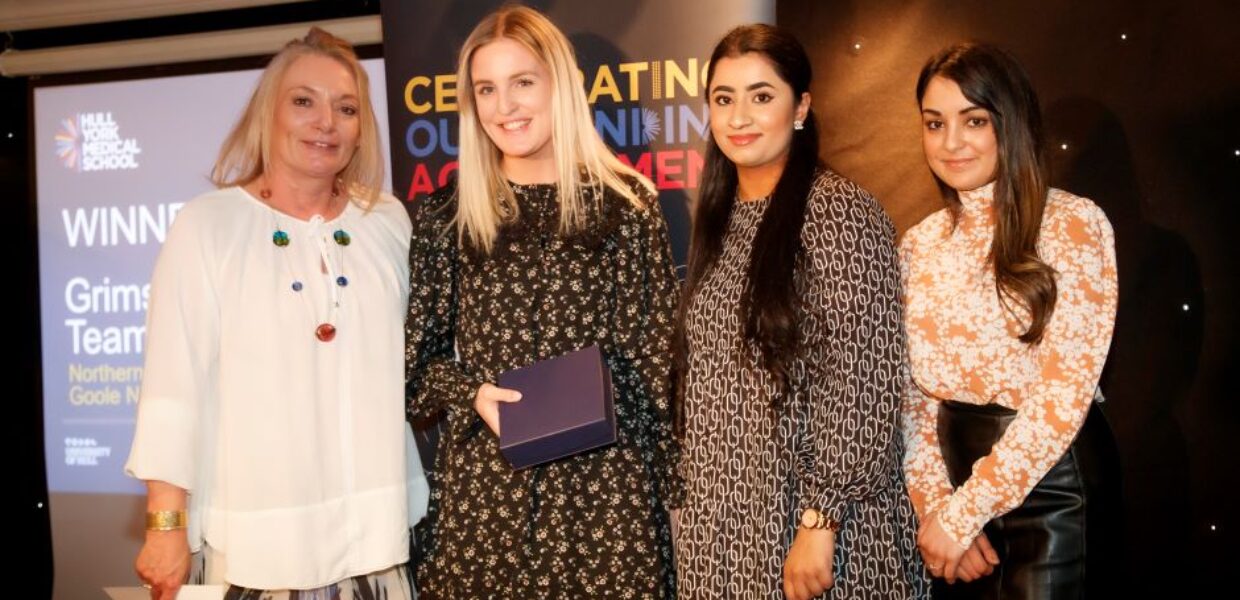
1064, 540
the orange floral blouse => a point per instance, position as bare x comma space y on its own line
963, 346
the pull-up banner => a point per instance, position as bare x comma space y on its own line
644, 69
643, 64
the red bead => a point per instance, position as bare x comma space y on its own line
325, 332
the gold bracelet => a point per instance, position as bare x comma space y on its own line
166, 520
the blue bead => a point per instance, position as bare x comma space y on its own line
279, 238
342, 281
342, 237
296, 286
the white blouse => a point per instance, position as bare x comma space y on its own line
295, 452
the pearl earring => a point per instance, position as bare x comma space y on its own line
798, 124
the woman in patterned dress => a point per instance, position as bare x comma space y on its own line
793, 348
1011, 295
547, 244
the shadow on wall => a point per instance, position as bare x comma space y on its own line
1158, 332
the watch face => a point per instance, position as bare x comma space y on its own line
809, 518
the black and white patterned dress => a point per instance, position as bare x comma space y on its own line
750, 470
593, 525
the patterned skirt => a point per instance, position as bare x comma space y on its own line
393, 583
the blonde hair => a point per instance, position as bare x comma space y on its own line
584, 163
247, 150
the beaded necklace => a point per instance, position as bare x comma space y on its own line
324, 331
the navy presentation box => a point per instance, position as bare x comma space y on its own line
565, 408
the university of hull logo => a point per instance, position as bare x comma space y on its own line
92, 142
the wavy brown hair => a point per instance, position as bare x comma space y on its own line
992, 79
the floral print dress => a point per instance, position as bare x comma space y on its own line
593, 525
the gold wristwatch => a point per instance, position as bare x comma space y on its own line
814, 519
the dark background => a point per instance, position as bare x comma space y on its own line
1146, 98
1144, 94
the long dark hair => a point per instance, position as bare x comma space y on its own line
992, 79
768, 303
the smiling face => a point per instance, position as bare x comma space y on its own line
316, 123
957, 136
512, 96
752, 110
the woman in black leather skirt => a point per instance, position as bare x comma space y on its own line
1010, 296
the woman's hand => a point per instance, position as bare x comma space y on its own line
940, 551
808, 566
163, 562
978, 561
487, 400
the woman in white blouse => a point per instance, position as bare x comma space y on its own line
271, 430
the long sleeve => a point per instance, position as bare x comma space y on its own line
846, 450
434, 380
182, 352
1078, 243
925, 473
646, 296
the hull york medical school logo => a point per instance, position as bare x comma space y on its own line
93, 142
